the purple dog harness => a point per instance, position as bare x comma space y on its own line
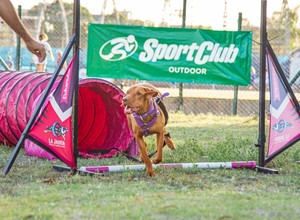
152, 111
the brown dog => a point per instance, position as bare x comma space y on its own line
147, 116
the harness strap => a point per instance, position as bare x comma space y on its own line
153, 110
162, 106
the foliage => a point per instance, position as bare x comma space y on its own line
54, 25
282, 27
283, 30
54, 22
33, 190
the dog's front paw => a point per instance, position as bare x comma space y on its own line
156, 161
150, 172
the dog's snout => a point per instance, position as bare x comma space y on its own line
124, 99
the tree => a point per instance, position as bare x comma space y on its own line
54, 24
283, 31
247, 26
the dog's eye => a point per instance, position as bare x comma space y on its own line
139, 94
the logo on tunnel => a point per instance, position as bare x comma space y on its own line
118, 48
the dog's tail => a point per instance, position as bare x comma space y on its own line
168, 141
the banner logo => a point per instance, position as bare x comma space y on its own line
122, 47
57, 130
281, 126
119, 48
207, 51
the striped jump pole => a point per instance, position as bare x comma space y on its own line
203, 165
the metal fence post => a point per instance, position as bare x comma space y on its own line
18, 49
180, 98
236, 88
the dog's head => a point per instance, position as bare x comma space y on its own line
137, 99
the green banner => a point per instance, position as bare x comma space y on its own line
169, 54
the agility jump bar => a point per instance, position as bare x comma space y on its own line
202, 165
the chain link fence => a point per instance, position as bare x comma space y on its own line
55, 18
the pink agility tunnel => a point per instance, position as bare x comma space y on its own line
102, 124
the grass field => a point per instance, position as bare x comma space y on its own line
33, 190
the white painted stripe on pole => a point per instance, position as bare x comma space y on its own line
126, 167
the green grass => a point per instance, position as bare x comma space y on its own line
33, 190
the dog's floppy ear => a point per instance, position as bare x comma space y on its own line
150, 93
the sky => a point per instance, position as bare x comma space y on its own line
199, 12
